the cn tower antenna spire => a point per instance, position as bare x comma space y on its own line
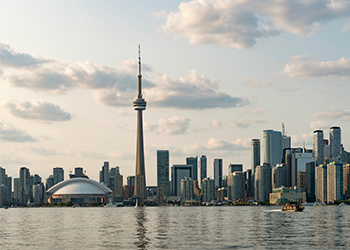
139, 85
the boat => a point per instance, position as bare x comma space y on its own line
292, 206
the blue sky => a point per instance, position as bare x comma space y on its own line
216, 74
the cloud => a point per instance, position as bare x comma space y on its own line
314, 125
240, 23
37, 110
259, 111
172, 126
346, 28
245, 124
8, 132
9, 58
304, 66
256, 83
298, 140
117, 86
216, 124
333, 114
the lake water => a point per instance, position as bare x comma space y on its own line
174, 228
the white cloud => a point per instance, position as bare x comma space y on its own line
298, 140
117, 86
8, 132
10, 58
172, 126
346, 28
305, 66
314, 125
257, 83
216, 124
240, 23
258, 111
333, 114
37, 110
245, 124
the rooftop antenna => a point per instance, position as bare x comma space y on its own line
283, 130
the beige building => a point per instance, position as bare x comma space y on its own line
287, 194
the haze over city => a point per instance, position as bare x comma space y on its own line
215, 75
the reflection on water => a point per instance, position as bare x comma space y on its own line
141, 230
174, 228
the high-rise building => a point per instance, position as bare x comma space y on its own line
24, 176
16, 190
255, 154
272, 147
163, 182
218, 173
9, 188
263, 182
302, 180
321, 183
235, 168
334, 182
279, 176
118, 185
186, 189
112, 173
49, 182
58, 175
104, 174
335, 143
208, 190
38, 194
310, 182
179, 172
203, 167
318, 147
130, 181
346, 181
3, 194
2, 176
194, 162
140, 173
235, 186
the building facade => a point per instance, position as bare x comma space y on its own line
318, 147
163, 171
335, 144
263, 182
334, 182
218, 173
272, 147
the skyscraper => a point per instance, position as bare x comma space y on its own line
140, 174
58, 175
194, 162
179, 172
310, 182
334, 182
104, 174
218, 173
235, 186
335, 143
346, 181
272, 147
321, 183
255, 154
208, 190
163, 171
235, 168
186, 190
318, 147
263, 182
24, 176
203, 167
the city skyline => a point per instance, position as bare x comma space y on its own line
68, 74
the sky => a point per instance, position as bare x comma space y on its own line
216, 73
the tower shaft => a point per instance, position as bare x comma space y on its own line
140, 174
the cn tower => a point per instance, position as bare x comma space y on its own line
140, 174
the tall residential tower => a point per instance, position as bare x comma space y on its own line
140, 174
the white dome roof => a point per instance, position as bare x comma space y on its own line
79, 186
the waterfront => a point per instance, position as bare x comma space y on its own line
174, 227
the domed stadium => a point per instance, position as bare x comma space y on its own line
78, 190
